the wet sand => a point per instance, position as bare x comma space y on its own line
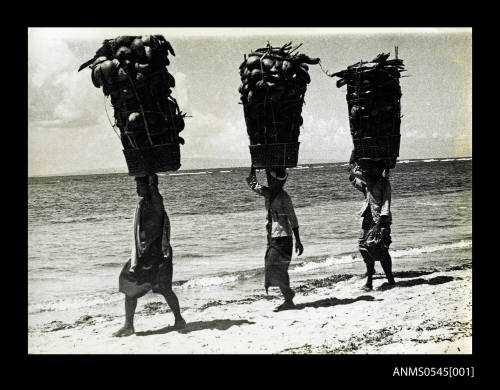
427, 312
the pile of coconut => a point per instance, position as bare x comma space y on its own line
132, 70
274, 82
373, 100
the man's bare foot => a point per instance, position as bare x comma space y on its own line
367, 287
287, 305
180, 324
386, 286
127, 330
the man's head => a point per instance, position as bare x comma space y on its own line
276, 178
146, 185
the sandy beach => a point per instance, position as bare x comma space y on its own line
427, 312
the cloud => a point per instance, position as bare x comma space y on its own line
64, 105
47, 58
58, 95
180, 91
324, 138
207, 135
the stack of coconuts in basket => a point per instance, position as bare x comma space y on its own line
373, 100
132, 70
274, 82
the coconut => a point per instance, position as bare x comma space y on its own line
97, 76
122, 74
179, 123
252, 62
170, 79
275, 69
124, 40
303, 75
148, 53
141, 67
146, 40
123, 53
98, 61
355, 110
256, 74
109, 70
267, 63
137, 47
260, 84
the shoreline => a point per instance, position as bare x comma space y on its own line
427, 312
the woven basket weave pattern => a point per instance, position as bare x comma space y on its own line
275, 155
158, 158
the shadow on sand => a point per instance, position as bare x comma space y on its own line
406, 274
417, 282
327, 302
197, 325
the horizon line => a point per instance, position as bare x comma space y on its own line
96, 171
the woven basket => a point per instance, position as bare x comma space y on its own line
278, 155
382, 147
158, 158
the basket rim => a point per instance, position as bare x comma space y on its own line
154, 146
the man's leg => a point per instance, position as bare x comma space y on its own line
283, 282
173, 303
367, 258
370, 267
288, 294
386, 263
128, 328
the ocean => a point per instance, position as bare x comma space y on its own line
80, 233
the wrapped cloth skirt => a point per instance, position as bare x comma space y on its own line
277, 259
153, 272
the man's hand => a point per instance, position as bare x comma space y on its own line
167, 252
298, 248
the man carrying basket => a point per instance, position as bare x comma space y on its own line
375, 236
150, 265
281, 222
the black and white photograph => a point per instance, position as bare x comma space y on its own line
249, 190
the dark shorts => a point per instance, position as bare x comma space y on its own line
156, 276
278, 257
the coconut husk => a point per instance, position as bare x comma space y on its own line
274, 82
132, 70
373, 100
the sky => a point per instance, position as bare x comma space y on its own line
69, 131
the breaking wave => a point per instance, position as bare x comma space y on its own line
105, 298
